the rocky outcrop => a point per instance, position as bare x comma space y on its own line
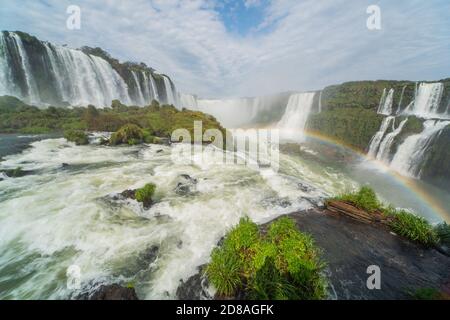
349, 247
110, 292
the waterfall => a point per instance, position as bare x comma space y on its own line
188, 101
320, 101
42, 73
427, 100
385, 107
401, 100
410, 155
142, 100
293, 122
5, 70
33, 94
169, 92
386, 144
154, 90
376, 139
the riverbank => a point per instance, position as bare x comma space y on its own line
349, 247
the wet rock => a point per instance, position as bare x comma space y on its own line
159, 151
194, 288
16, 173
350, 246
110, 292
65, 165
304, 187
150, 255
129, 194
186, 186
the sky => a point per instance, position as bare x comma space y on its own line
242, 48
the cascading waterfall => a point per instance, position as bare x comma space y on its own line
293, 123
410, 155
401, 100
139, 89
249, 110
377, 138
169, 92
386, 144
33, 94
48, 74
385, 107
188, 101
426, 103
320, 102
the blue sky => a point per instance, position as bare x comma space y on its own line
253, 47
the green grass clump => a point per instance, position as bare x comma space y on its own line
402, 222
413, 227
145, 193
130, 134
77, 136
427, 294
365, 199
442, 231
282, 264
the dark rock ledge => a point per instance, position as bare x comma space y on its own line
349, 247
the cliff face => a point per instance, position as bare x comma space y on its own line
401, 123
41, 73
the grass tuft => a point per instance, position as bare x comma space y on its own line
282, 264
145, 193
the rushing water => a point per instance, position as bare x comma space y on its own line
67, 215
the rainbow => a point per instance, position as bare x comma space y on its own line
406, 182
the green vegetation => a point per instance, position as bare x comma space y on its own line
443, 233
128, 134
365, 94
79, 137
353, 126
427, 294
413, 227
145, 193
436, 167
133, 124
404, 223
365, 199
281, 264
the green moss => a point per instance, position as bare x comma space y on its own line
76, 136
282, 264
145, 193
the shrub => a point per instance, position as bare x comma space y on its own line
145, 193
76, 136
127, 134
365, 199
413, 227
282, 264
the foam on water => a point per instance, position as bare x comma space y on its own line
68, 216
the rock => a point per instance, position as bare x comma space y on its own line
194, 288
150, 255
65, 165
159, 151
186, 185
129, 194
110, 292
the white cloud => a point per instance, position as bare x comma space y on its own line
300, 45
